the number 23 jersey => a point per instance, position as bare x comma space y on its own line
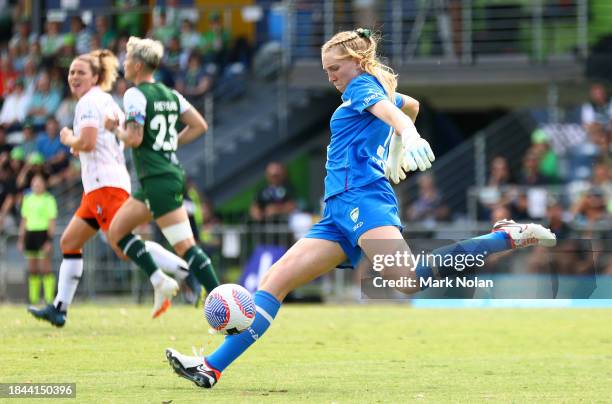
157, 109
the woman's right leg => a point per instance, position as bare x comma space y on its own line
307, 260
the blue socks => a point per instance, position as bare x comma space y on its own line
485, 245
234, 345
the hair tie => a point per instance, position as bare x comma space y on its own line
364, 32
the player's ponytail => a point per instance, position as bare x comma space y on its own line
108, 68
361, 44
103, 64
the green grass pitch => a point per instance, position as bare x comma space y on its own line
342, 354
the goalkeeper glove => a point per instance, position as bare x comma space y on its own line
393, 166
417, 151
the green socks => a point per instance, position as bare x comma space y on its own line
34, 285
134, 247
199, 263
48, 281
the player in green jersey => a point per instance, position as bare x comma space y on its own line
152, 113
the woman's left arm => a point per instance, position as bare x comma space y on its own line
408, 150
410, 106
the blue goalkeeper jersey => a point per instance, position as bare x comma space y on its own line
359, 140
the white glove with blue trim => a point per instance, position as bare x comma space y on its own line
417, 151
407, 154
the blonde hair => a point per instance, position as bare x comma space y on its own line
361, 44
103, 64
149, 51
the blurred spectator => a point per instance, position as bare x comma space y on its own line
602, 179
108, 37
190, 38
34, 166
121, 51
566, 257
48, 144
18, 55
193, 82
45, 102
57, 80
121, 86
429, 206
549, 165
172, 55
15, 107
65, 112
215, 41
530, 170
582, 157
498, 263
174, 14
29, 139
35, 53
19, 45
36, 231
276, 200
22, 38
499, 172
30, 76
95, 42
164, 31
6, 23
603, 142
8, 189
52, 40
66, 54
597, 110
5, 148
8, 75
82, 37
519, 207
555, 220
129, 22
9, 193
493, 194
590, 211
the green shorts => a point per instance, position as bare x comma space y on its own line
162, 194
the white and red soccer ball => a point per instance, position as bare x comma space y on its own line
229, 309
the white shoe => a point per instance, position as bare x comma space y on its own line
193, 368
163, 294
525, 235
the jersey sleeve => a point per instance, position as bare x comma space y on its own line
135, 106
365, 93
399, 100
184, 105
87, 115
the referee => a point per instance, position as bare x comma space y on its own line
38, 212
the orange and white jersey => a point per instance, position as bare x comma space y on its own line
104, 166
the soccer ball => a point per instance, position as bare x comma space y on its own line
229, 309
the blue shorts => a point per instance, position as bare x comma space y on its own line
350, 214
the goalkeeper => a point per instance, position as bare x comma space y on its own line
372, 134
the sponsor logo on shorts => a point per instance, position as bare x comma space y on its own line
354, 215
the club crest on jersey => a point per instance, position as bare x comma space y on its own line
354, 215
